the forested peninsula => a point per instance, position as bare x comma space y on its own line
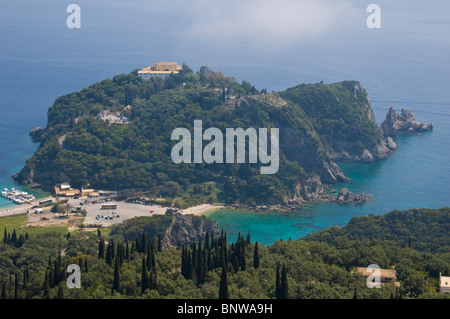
116, 135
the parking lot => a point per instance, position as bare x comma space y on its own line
108, 217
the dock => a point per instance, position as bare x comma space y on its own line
17, 196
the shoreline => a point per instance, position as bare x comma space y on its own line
14, 209
201, 209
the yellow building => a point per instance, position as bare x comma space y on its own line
386, 275
65, 190
444, 284
160, 69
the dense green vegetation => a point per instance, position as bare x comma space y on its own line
137, 155
320, 266
342, 120
421, 229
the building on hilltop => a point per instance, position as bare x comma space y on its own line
159, 70
444, 284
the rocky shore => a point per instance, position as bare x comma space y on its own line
403, 123
343, 197
346, 197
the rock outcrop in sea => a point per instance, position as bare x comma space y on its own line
346, 197
403, 123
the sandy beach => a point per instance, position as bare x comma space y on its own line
200, 209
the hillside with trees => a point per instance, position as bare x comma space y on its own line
321, 266
315, 121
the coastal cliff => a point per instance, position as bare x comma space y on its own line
173, 229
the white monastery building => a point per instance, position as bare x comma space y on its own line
159, 70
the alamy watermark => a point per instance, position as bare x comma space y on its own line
74, 19
74, 279
374, 279
214, 151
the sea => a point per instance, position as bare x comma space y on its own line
404, 64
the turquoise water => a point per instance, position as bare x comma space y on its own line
416, 176
404, 64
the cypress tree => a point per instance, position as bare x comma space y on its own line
101, 249
183, 262
248, 238
284, 284
355, 295
149, 257
99, 233
109, 257
51, 278
116, 281
144, 280
143, 244
277, 283
14, 237
256, 256
16, 288
243, 261
85, 264
60, 292
153, 257
4, 292
159, 242
207, 246
5, 237
212, 241
223, 288
46, 287
189, 266
113, 251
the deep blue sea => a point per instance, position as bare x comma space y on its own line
405, 64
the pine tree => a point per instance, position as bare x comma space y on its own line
256, 256
223, 287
